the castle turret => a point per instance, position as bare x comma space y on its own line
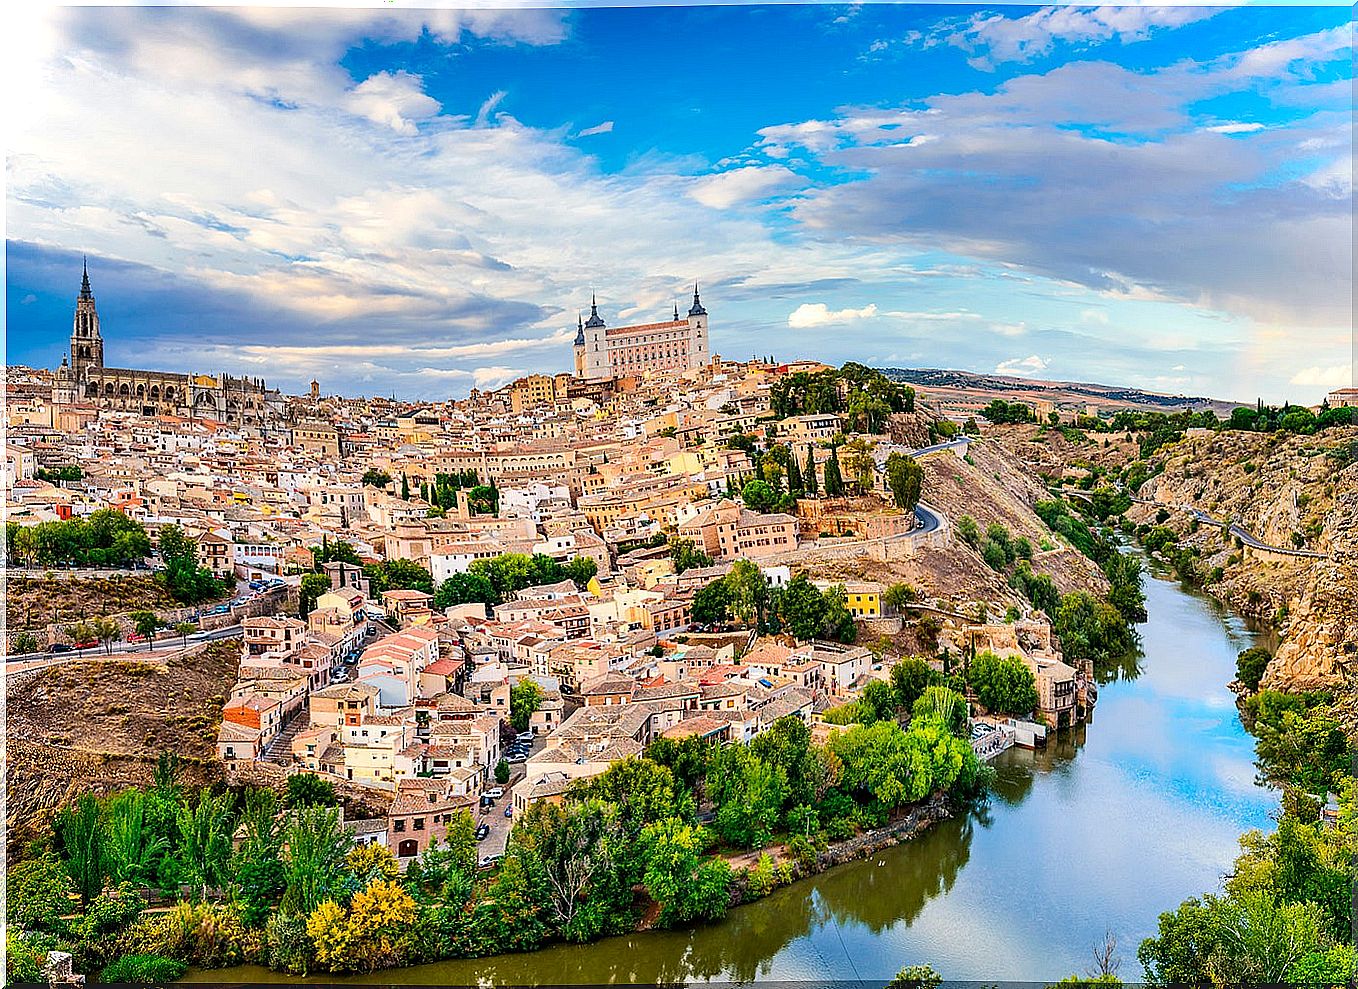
579, 349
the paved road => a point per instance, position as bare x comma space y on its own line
174, 645
929, 520
949, 445
1232, 528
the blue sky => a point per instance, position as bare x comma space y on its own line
418, 202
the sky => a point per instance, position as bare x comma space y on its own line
420, 202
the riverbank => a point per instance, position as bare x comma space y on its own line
1019, 888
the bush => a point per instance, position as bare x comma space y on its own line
289, 945
1250, 666
202, 934
143, 968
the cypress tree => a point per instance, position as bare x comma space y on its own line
809, 475
834, 481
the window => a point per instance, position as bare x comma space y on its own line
400, 826
419, 824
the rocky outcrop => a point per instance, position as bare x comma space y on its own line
1288, 491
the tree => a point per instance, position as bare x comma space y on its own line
712, 603
969, 531
205, 839
802, 607
859, 466
107, 631
184, 630
877, 701
502, 772
942, 704
1091, 629
909, 677
525, 697
84, 841
1250, 666
376, 478
834, 482
838, 623
38, 892
686, 887
749, 592
809, 473
146, 623
376, 932
464, 588
1004, 686
916, 977
309, 790
749, 794
686, 556
315, 844
758, 496
313, 586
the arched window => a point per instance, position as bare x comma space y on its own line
108, 389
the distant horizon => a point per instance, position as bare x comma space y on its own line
420, 202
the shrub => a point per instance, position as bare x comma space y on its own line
143, 968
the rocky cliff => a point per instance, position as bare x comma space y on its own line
1289, 492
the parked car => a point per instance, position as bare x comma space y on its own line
60, 647
495, 791
482, 831
489, 860
135, 637
509, 810
90, 644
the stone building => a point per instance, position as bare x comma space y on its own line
676, 345
84, 378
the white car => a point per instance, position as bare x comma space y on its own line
496, 791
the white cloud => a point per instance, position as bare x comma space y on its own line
604, 128
1023, 367
488, 107
811, 314
741, 185
495, 377
396, 100
1338, 376
993, 38
1235, 127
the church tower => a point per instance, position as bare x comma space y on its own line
87, 346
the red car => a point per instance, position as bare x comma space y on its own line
87, 645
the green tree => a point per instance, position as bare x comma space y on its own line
1004, 686
909, 677
1250, 666
809, 480
834, 480
969, 531
686, 556
686, 887
309, 790
464, 588
905, 478
315, 844
84, 841
313, 586
38, 892
1091, 629
146, 623
184, 630
204, 847
839, 624
373, 477
525, 697
758, 496
802, 608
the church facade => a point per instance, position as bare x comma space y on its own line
676, 345
84, 378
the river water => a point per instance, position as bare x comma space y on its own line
1113, 823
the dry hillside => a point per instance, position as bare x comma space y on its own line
97, 726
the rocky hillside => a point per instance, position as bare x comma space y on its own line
96, 726
993, 486
1288, 491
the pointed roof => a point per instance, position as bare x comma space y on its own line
85, 292
579, 330
594, 322
697, 308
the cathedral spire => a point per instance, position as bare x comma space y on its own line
579, 330
85, 292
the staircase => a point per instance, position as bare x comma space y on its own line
279, 751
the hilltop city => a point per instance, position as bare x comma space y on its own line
807, 604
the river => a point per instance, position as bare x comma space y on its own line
1113, 823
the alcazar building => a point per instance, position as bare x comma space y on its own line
84, 378
675, 345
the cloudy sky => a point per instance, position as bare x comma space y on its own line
420, 202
